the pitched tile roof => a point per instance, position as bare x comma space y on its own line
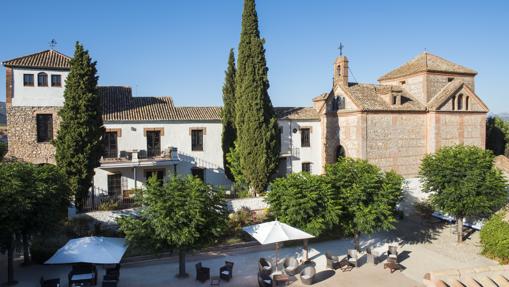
370, 98
46, 59
118, 104
426, 62
296, 113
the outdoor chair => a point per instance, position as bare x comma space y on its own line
110, 283
332, 261
392, 254
202, 273
372, 255
264, 279
307, 275
50, 282
114, 271
350, 261
82, 273
291, 265
264, 266
226, 272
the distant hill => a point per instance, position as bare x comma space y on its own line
504, 116
3, 114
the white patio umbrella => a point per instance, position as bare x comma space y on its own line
275, 232
95, 250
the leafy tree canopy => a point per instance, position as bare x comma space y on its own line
497, 136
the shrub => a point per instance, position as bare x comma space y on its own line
110, 204
44, 247
495, 238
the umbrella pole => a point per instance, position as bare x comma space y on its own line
277, 254
306, 250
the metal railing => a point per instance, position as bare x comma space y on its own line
100, 199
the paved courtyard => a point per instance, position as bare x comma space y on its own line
423, 247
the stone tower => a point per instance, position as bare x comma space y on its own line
341, 71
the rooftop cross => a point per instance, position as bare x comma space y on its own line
341, 48
52, 44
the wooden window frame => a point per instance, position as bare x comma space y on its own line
203, 133
44, 82
25, 82
49, 129
107, 146
302, 138
306, 164
154, 152
59, 80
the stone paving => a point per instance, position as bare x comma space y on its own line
423, 247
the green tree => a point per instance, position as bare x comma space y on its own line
3, 150
463, 182
303, 200
16, 182
180, 214
78, 143
495, 237
228, 114
255, 122
368, 196
497, 136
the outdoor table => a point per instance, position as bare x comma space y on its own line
82, 279
280, 279
393, 266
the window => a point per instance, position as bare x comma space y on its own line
453, 103
153, 143
42, 80
402, 82
110, 145
198, 172
115, 184
306, 167
158, 173
304, 137
394, 100
44, 127
56, 80
280, 138
460, 102
28, 80
450, 79
197, 140
467, 99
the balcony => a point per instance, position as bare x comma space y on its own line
139, 158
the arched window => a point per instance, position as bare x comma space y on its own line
453, 103
340, 152
42, 79
466, 102
460, 102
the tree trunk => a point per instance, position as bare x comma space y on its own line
26, 249
182, 264
10, 263
459, 227
357, 241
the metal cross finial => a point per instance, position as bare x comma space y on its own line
52, 44
341, 48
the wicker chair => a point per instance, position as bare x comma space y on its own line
392, 254
202, 273
264, 266
307, 275
291, 265
226, 272
332, 261
351, 258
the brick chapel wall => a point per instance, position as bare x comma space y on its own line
437, 82
452, 128
22, 130
352, 133
415, 85
396, 141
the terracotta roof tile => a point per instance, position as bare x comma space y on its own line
426, 62
370, 97
296, 113
45, 59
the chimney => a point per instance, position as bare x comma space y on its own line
341, 71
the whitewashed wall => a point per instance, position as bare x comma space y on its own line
291, 140
34, 95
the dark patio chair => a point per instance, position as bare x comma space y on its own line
307, 275
226, 271
372, 255
264, 266
83, 268
350, 261
202, 273
392, 254
264, 279
291, 265
110, 283
114, 271
50, 282
333, 261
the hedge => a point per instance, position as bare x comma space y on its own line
495, 238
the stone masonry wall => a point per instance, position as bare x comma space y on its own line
437, 82
460, 128
22, 131
351, 134
396, 141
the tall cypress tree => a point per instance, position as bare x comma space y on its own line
228, 113
257, 131
78, 143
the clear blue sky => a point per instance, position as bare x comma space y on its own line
180, 48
